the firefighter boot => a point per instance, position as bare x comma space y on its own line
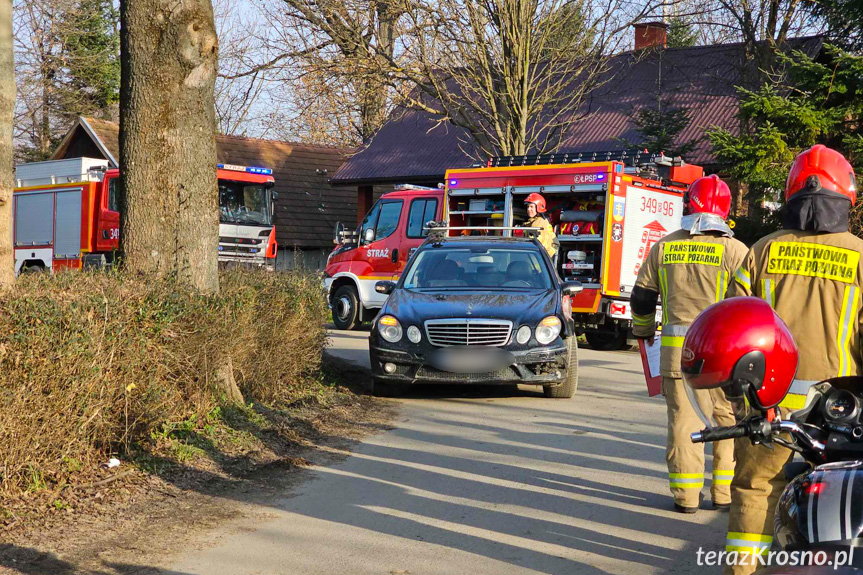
755, 490
723, 452
685, 459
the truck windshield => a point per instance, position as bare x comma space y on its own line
244, 203
463, 268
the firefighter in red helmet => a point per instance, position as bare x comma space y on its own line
536, 218
690, 269
810, 273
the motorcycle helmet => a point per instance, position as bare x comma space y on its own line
821, 170
742, 345
538, 200
709, 195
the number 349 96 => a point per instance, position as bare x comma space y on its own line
654, 206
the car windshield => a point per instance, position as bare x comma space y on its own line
477, 268
241, 203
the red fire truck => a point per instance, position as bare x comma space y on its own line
608, 209
66, 215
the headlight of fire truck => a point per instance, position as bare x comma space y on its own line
548, 329
390, 329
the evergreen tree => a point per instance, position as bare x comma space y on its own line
681, 34
660, 129
821, 101
91, 58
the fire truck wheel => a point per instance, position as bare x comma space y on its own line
606, 341
566, 389
346, 308
387, 388
34, 269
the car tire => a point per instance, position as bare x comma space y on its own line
346, 308
606, 341
381, 388
566, 389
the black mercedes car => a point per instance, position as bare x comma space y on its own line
476, 310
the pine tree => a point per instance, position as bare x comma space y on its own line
681, 34
821, 101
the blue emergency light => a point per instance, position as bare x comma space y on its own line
248, 169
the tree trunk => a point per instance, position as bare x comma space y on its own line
170, 225
7, 178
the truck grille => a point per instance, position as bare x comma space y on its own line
485, 332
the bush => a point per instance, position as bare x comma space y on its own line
96, 363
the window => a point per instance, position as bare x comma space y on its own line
388, 220
478, 268
370, 220
422, 211
113, 194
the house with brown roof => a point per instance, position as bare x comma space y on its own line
307, 208
414, 147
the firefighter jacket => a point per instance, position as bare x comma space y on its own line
546, 235
690, 272
813, 281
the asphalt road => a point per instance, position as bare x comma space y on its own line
475, 480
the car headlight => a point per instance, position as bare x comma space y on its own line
389, 328
523, 335
414, 334
548, 329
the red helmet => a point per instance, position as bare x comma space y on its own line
742, 343
821, 169
537, 199
710, 195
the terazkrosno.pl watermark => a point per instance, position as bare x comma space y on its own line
836, 559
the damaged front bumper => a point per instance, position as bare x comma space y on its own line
543, 366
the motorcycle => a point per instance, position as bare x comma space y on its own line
821, 508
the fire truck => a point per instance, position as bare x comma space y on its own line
607, 208
66, 215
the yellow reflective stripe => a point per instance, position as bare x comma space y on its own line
768, 292
743, 278
793, 401
686, 480
721, 285
643, 320
663, 286
672, 341
750, 542
846, 320
723, 476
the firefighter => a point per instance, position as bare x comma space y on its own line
810, 273
537, 218
690, 268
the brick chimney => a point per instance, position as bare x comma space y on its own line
650, 35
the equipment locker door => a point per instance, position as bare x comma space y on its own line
67, 228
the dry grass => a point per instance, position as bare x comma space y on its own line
92, 364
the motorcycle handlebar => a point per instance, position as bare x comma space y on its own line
718, 434
754, 428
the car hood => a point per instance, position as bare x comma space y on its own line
517, 306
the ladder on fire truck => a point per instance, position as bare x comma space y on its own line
629, 158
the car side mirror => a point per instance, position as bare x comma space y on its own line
275, 195
571, 288
385, 287
369, 235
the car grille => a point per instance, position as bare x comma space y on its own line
431, 374
480, 332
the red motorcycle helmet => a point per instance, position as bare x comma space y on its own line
538, 200
710, 195
741, 343
821, 169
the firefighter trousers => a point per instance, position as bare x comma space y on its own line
686, 459
758, 483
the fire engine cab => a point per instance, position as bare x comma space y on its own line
66, 215
607, 209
